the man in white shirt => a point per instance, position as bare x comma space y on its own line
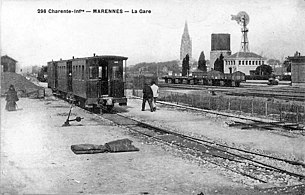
155, 90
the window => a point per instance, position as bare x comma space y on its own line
93, 72
239, 62
253, 62
243, 62
256, 62
116, 73
83, 72
249, 62
259, 62
246, 62
100, 71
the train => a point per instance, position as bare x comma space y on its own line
213, 78
91, 82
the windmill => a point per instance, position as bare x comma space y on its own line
242, 19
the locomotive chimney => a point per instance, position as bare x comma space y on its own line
60, 59
94, 54
72, 57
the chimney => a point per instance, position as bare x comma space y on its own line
94, 54
60, 59
72, 57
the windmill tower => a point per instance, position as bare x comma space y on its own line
243, 19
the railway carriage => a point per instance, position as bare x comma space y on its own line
213, 78
96, 81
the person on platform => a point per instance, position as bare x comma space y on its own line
11, 99
147, 96
155, 90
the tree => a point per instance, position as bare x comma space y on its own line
202, 62
185, 65
273, 62
218, 65
263, 70
287, 65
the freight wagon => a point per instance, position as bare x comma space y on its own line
213, 78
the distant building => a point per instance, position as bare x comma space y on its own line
35, 69
8, 64
220, 44
186, 44
245, 62
297, 70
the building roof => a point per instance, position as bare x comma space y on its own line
6, 56
108, 57
243, 55
296, 58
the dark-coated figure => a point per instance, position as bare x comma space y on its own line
11, 99
147, 96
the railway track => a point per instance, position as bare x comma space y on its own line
246, 122
259, 167
246, 163
296, 94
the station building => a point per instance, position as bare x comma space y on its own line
8, 64
245, 62
297, 70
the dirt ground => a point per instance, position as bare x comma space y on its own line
36, 155
215, 127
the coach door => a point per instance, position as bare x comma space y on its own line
69, 75
103, 77
116, 79
55, 76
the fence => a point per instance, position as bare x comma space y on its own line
258, 107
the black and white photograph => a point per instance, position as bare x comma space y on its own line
199, 97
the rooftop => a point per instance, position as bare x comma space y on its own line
243, 55
6, 56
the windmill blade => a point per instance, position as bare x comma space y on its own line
237, 18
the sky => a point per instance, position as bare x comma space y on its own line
276, 28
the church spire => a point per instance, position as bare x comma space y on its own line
186, 30
186, 43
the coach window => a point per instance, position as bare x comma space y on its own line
116, 73
243, 63
93, 72
239, 62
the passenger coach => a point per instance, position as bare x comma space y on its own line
96, 81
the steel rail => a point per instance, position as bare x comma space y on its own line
180, 145
200, 142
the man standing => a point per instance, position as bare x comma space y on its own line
155, 90
147, 96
